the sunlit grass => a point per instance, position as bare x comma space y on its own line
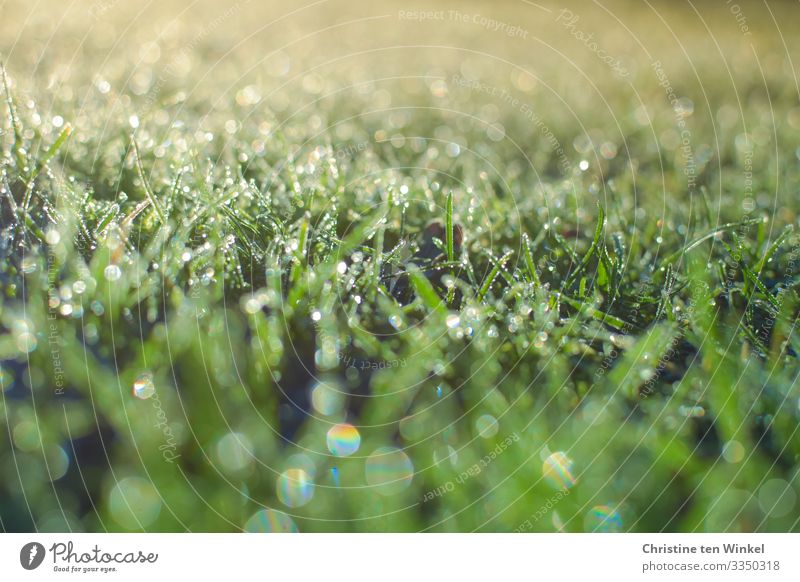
199, 296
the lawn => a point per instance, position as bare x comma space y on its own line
457, 267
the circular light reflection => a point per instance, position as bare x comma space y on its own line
343, 440
557, 471
389, 470
295, 488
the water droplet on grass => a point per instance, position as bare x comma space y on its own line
52, 236
143, 387
487, 426
250, 304
28, 265
112, 273
26, 342
452, 321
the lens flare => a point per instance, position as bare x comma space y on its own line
134, 503
603, 519
295, 488
557, 470
389, 470
487, 426
270, 521
343, 440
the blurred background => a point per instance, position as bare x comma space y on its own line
179, 424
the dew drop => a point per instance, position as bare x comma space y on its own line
112, 273
452, 321
143, 387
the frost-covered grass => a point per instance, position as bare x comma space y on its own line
211, 261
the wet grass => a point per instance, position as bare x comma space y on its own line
529, 331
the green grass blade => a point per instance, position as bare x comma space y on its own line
774, 247
52, 150
526, 249
15, 124
642, 363
487, 284
598, 233
709, 235
146, 185
449, 227
425, 290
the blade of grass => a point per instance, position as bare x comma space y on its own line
641, 363
487, 284
598, 233
774, 247
15, 125
597, 314
146, 185
526, 249
711, 234
750, 277
425, 290
52, 150
449, 227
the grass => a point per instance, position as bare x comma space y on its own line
199, 285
